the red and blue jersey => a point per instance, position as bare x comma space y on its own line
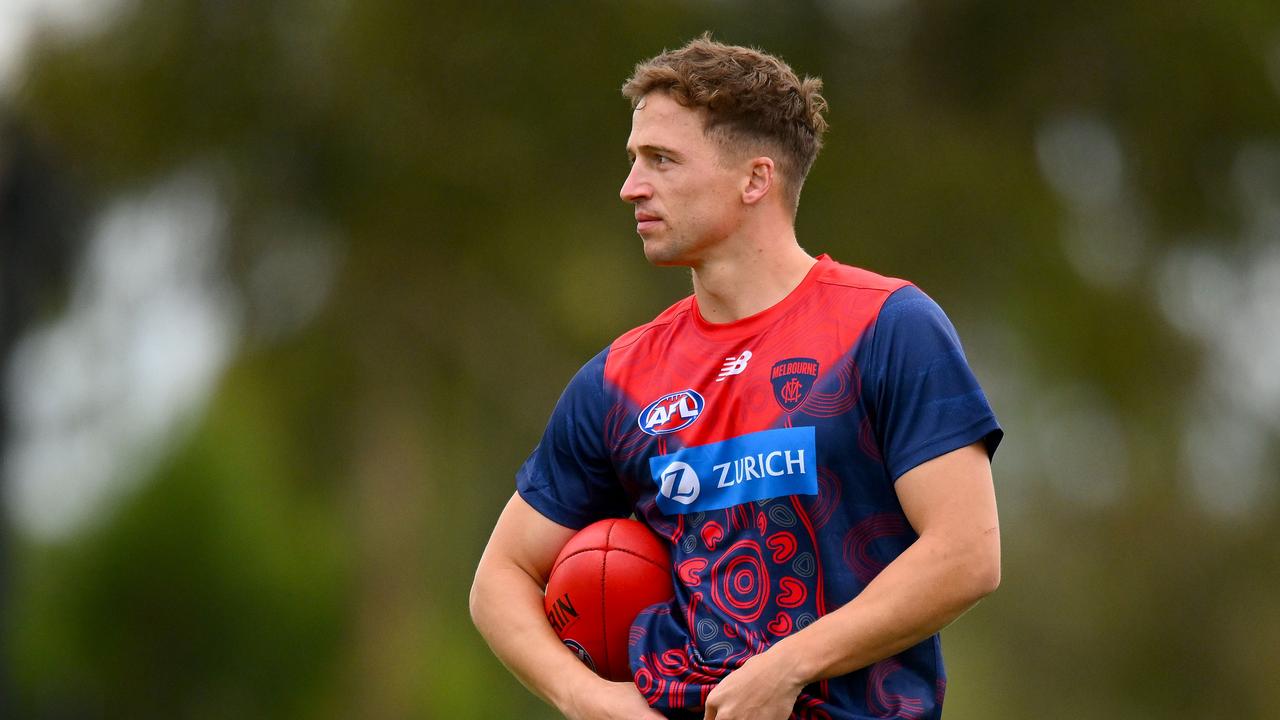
765, 451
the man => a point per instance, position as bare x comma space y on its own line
806, 435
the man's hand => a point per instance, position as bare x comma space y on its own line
606, 700
764, 688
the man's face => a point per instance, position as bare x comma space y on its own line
687, 196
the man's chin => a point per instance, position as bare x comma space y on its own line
663, 255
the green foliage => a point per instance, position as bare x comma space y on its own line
215, 591
306, 552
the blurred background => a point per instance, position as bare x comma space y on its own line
288, 290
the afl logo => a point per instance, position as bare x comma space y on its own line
671, 412
581, 652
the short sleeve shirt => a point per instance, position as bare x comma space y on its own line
765, 452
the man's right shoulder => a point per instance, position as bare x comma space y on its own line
638, 336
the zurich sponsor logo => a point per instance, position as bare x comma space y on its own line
747, 468
679, 483
671, 412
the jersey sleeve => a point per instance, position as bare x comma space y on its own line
924, 398
569, 477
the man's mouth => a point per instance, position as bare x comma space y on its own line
646, 221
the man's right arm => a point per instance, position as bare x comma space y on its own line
506, 607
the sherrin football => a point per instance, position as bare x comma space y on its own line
602, 578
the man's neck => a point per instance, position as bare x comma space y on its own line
750, 277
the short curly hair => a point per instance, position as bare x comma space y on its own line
751, 98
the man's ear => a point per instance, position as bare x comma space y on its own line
761, 180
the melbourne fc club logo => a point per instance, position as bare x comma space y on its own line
792, 378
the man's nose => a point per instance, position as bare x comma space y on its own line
635, 188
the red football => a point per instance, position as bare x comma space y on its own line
602, 579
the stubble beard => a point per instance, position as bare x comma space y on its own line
668, 251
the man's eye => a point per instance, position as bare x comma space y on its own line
661, 159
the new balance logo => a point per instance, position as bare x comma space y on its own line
734, 365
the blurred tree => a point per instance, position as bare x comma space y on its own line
39, 223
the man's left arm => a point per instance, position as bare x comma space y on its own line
955, 562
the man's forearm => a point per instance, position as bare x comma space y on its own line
923, 589
953, 563
506, 606
929, 585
